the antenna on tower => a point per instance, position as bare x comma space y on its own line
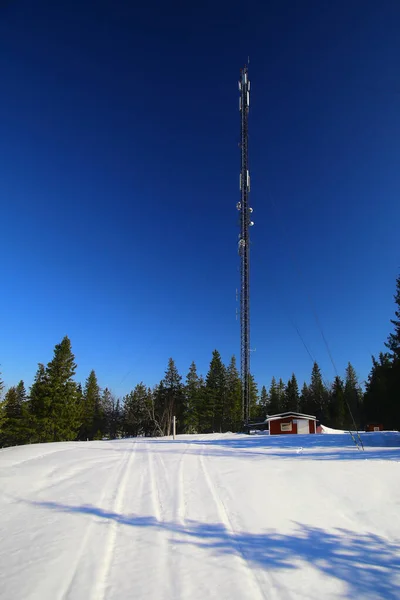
245, 212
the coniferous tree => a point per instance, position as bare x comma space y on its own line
233, 397
253, 399
40, 419
112, 418
281, 388
169, 399
393, 342
292, 398
215, 395
92, 414
337, 408
136, 411
377, 398
15, 429
318, 395
305, 400
274, 398
65, 408
192, 400
264, 403
353, 397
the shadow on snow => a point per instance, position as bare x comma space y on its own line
367, 563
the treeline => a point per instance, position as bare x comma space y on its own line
57, 408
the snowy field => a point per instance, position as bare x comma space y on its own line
203, 517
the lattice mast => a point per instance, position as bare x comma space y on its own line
244, 244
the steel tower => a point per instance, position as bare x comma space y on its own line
244, 244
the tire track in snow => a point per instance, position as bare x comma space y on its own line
257, 591
99, 590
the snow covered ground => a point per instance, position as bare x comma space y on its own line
203, 517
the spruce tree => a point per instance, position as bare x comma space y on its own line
233, 397
65, 408
393, 342
40, 419
170, 400
15, 417
318, 395
292, 398
264, 403
337, 408
353, 397
274, 398
253, 399
192, 400
92, 414
216, 393
378, 405
135, 416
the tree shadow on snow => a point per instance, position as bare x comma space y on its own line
368, 564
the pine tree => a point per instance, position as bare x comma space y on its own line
216, 393
337, 408
65, 409
233, 397
192, 400
292, 399
274, 398
1, 387
92, 417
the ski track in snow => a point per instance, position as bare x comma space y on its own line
249, 573
99, 590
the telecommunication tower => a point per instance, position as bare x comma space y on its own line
244, 244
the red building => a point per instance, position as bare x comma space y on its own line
374, 427
291, 422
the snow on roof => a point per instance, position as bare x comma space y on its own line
290, 414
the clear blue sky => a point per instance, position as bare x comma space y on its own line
119, 177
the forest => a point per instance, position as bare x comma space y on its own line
59, 408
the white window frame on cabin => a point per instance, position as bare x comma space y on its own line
287, 426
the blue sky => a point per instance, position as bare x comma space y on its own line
119, 178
